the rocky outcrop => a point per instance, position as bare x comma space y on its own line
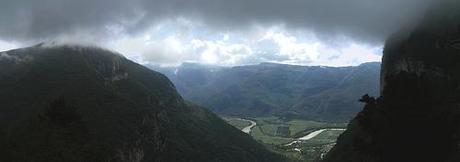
417, 116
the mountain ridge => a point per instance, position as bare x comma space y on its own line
277, 89
117, 110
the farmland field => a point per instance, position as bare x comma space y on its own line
267, 131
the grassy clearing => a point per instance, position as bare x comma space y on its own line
297, 127
257, 134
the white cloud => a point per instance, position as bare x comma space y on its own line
4, 46
296, 51
312, 51
177, 47
349, 55
144, 50
174, 42
179, 40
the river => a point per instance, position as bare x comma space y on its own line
311, 135
248, 128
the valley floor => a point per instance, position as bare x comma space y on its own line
297, 139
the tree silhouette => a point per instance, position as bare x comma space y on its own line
367, 99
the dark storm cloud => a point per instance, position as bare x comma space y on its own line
30, 19
368, 20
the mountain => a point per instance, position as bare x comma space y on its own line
71, 103
416, 118
313, 92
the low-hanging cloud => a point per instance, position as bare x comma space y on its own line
363, 20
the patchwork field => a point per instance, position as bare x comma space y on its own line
283, 135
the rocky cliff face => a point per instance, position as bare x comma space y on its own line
417, 116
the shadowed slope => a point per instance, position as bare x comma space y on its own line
417, 116
116, 110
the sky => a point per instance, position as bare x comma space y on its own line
217, 32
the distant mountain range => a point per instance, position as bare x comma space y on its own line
69, 103
312, 92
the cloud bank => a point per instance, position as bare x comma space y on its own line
366, 22
363, 19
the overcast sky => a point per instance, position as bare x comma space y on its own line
221, 32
